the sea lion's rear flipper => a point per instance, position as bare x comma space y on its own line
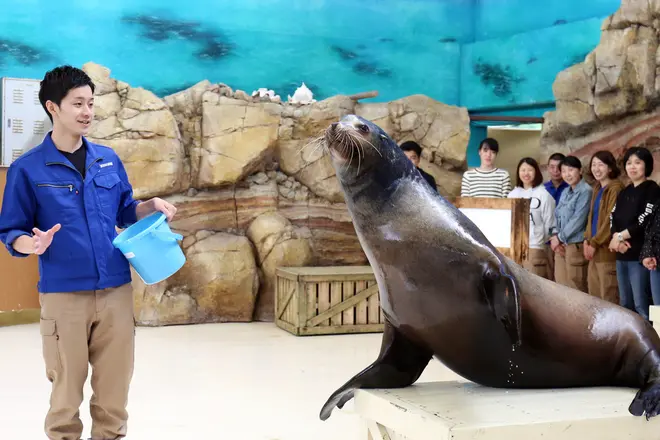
399, 364
647, 399
503, 296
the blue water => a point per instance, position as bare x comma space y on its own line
474, 53
520, 69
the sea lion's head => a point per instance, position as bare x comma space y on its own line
363, 154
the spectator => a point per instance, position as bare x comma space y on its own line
486, 180
555, 187
571, 221
629, 218
601, 271
556, 184
529, 185
414, 153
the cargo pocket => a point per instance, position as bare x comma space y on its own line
540, 266
50, 345
536, 264
577, 266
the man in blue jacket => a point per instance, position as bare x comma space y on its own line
62, 202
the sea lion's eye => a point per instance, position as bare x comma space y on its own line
363, 128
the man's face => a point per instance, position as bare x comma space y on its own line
554, 170
76, 111
414, 158
487, 155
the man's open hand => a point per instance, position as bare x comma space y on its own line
42, 240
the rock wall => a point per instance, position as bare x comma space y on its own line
252, 191
610, 101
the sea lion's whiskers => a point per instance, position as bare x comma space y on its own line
315, 140
356, 143
321, 143
341, 150
347, 146
360, 152
372, 146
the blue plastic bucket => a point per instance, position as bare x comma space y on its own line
151, 248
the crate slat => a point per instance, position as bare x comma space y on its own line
335, 299
361, 311
373, 305
286, 294
324, 300
348, 291
312, 302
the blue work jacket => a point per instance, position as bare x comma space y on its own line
44, 188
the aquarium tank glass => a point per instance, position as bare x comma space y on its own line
474, 53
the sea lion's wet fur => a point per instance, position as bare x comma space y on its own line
447, 292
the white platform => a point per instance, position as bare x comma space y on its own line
465, 411
654, 317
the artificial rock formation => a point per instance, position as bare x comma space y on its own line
252, 189
141, 129
610, 100
278, 243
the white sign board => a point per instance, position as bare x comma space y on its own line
494, 223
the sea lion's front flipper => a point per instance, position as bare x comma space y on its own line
399, 364
503, 296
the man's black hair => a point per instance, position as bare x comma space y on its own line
557, 156
412, 146
58, 82
491, 144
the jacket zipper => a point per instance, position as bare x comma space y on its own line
56, 186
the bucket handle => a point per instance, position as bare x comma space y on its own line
167, 236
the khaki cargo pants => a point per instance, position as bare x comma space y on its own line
538, 262
602, 280
95, 327
571, 269
551, 262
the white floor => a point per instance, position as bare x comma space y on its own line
214, 381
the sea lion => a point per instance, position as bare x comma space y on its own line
447, 292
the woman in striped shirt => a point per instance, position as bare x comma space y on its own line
486, 180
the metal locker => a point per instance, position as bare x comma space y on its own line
24, 120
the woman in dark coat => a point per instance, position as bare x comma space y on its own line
629, 219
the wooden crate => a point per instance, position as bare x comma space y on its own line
327, 300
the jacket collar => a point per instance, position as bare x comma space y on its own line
53, 156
